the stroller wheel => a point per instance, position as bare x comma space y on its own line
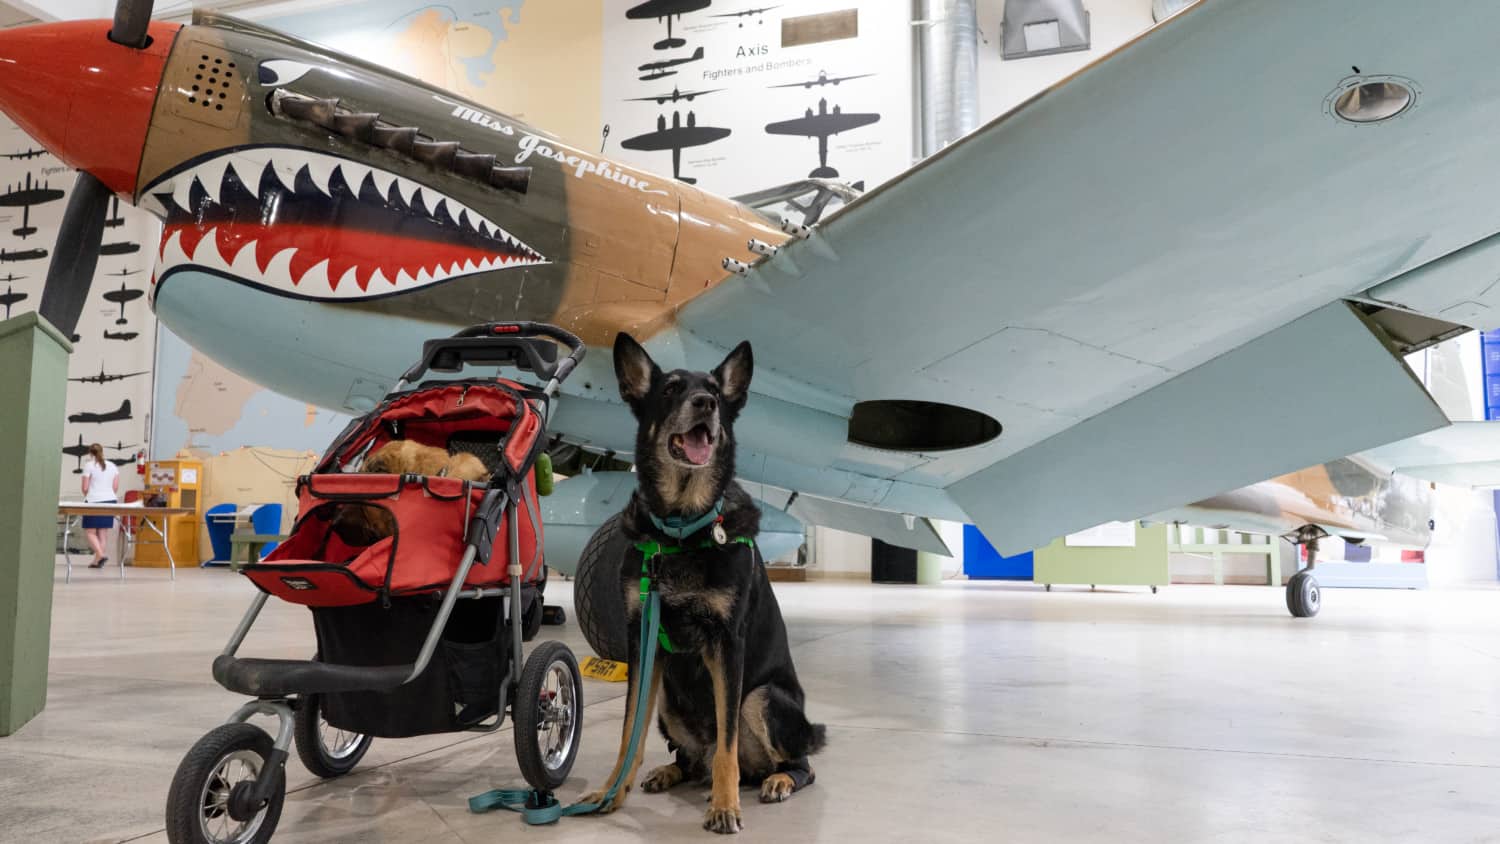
208, 803
548, 715
324, 749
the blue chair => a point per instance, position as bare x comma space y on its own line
220, 521
267, 519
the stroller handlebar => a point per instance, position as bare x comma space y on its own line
502, 344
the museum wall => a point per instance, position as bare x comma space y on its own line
1005, 84
116, 332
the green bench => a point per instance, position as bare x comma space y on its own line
251, 543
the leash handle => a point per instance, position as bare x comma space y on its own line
537, 808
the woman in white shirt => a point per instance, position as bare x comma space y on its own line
101, 481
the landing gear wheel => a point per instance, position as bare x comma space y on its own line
1303, 597
548, 715
598, 598
325, 750
208, 800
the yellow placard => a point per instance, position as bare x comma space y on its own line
595, 668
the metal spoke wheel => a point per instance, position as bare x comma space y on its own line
548, 715
209, 801
1303, 597
324, 749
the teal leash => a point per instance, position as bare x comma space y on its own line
538, 807
541, 807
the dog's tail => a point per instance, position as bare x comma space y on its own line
817, 738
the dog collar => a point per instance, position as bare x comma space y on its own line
680, 528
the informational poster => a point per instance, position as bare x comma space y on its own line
1107, 535
737, 97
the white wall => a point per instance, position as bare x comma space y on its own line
840, 554
1003, 85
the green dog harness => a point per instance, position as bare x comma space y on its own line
650, 550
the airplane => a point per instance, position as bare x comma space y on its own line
24, 197
121, 296
29, 153
662, 69
120, 247
823, 79
121, 335
81, 451
822, 125
663, 99
665, 9
22, 254
9, 298
115, 220
124, 272
746, 13
677, 138
119, 415
102, 378
981, 339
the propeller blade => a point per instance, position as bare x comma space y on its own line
76, 254
131, 19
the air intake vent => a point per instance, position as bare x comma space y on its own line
209, 87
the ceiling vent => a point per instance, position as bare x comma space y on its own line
1043, 27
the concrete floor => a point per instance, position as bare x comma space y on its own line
966, 712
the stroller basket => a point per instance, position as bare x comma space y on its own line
430, 518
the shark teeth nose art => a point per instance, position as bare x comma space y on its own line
317, 226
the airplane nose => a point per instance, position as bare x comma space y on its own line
85, 98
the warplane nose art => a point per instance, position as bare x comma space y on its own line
316, 226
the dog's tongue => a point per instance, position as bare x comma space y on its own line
696, 446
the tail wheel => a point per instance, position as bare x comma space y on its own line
548, 715
598, 597
209, 801
324, 749
1303, 596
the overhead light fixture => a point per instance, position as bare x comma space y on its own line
1163, 9
1364, 100
1043, 27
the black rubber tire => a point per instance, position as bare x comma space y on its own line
554, 615
1303, 595
531, 620
310, 749
527, 715
598, 592
183, 807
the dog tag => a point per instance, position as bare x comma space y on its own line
719, 535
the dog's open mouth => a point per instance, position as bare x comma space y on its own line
695, 446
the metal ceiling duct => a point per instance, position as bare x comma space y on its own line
1163, 9
1043, 27
949, 45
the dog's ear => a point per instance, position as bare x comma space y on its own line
634, 368
734, 375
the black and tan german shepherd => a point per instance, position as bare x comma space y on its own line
730, 703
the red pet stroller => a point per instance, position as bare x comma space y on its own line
419, 631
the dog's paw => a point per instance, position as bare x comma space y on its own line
776, 788
615, 803
661, 779
723, 821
